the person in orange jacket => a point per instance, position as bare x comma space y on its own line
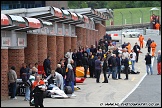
157, 26
128, 47
153, 47
141, 38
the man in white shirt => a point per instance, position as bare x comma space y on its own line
69, 55
133, 59
125, 53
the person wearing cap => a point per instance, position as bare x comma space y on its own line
153, 47
159, 62
141, 39
148, 64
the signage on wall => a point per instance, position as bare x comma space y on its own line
60, 31
6, 41
21, 41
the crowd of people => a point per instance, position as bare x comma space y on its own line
106, 57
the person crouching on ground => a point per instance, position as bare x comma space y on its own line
58, 78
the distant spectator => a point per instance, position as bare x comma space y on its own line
47, 66
148, 64
12, 78
98, 69
159, 62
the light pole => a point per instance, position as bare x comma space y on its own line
142, 16
131, 17
122, 26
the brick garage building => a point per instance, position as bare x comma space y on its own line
32, 40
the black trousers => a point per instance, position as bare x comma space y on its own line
98, 72
137, 55
91, 70
85, 70
105, 77
149, 49
38, 99
126, 72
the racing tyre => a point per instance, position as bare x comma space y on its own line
68, 90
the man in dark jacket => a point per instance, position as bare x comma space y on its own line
136, 49
90, 64
126, 66
148, 63
119, 63
148, 43
74, 56
79, 55
109, 64
47, 66
85, 64
105, 66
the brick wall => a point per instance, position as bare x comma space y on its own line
88, 37
104, 23
60, 48
51, 45
31, 51
79, 32
4, 71
96, 37
42, 48
81, 36
67, 43
101, 30
15, 58
73, 43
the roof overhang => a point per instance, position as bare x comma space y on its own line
107, 12
91, 13
18, 23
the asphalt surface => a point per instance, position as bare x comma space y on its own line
110, 94
148, 93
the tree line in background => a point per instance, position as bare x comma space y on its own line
113, 4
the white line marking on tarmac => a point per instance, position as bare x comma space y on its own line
133, 89
152, 62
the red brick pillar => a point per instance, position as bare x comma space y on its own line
84, 34
67, 43
79, 31
4, 71
51, 45
60, 48
91, 38
73, 43
42, 48
15, 58
104, 23
31, 51
87, 37
96, 37
97, 27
